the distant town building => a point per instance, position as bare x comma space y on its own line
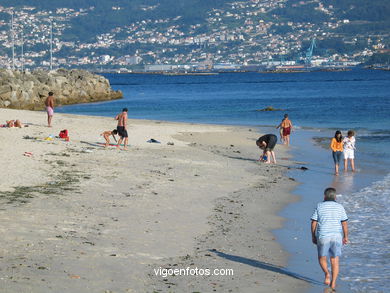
158, 67
133, 60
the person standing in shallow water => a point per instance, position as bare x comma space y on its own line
336, 146
329, 230
286, 128
349, 150
49, 104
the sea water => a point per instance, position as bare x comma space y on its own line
318, 103
365, 196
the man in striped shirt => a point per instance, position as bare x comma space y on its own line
329, 230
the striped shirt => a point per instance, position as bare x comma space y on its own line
329, 215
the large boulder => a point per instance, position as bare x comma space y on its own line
21, 90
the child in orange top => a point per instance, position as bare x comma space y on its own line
337, 149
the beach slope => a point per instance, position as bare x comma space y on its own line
77, 217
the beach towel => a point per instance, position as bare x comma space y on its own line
110, 144
152, 140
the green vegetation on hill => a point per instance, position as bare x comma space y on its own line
338, 45
166, 31
302, 13
104, 18
370, 10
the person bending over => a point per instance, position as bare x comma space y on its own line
267, 144
107, 134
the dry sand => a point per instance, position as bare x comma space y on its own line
76, 217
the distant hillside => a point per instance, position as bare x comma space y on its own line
118, 33
365, 15
103, 17
364, 10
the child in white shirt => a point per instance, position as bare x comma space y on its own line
349, 150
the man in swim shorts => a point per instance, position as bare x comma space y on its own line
267, 144
286, 127
329, 230
122, 128
49, 103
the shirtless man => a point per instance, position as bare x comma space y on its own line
286, 128
122, 128
49, 103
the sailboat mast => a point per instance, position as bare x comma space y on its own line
51, 43
13, 40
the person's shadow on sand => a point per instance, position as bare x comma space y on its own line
264, 266
241, 158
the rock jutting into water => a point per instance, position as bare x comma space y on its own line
270, 108
28, 90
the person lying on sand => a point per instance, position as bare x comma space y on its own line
107, 134
15, 123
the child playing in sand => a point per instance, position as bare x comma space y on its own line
349, 150
107, 134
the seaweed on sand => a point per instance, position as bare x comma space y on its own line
63, 182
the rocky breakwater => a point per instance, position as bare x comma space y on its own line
28, 90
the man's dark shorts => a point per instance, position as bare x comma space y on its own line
122, 132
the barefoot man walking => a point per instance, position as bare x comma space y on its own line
49, 103
286, 127
122, 128
329, 230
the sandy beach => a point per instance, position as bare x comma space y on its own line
76, 217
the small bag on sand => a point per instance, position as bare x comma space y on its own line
64, 133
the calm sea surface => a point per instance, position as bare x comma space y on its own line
318, 103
